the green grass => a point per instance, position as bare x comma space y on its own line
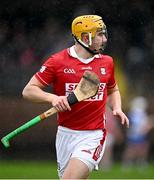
27, 169
48, 170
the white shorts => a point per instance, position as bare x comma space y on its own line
88, 146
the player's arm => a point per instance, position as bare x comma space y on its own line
33, 91
114, 101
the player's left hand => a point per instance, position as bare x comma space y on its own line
122, 116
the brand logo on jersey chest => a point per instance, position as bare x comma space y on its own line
87, 68
69, 71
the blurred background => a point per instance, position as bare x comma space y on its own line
32, 30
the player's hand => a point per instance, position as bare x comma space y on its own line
60, 103
122, 116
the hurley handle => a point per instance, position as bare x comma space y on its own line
6, 139
87, 87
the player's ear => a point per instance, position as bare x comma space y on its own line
85, 38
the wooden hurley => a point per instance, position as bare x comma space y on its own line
87, 88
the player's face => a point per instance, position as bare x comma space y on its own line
99, 40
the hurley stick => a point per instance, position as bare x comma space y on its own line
87, 88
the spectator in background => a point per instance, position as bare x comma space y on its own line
137, 147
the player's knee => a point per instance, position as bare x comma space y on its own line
76, 169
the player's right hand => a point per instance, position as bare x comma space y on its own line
60, 103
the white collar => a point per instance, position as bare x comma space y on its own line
85, 61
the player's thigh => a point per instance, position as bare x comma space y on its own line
76, 169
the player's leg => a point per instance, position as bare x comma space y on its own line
76, 169
78, 153
86, 155
63, 149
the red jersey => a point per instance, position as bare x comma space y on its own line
64, 71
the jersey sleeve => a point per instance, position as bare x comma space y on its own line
111, 84
46, 74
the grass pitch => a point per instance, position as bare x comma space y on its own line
48, 170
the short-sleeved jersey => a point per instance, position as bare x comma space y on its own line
64, 72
